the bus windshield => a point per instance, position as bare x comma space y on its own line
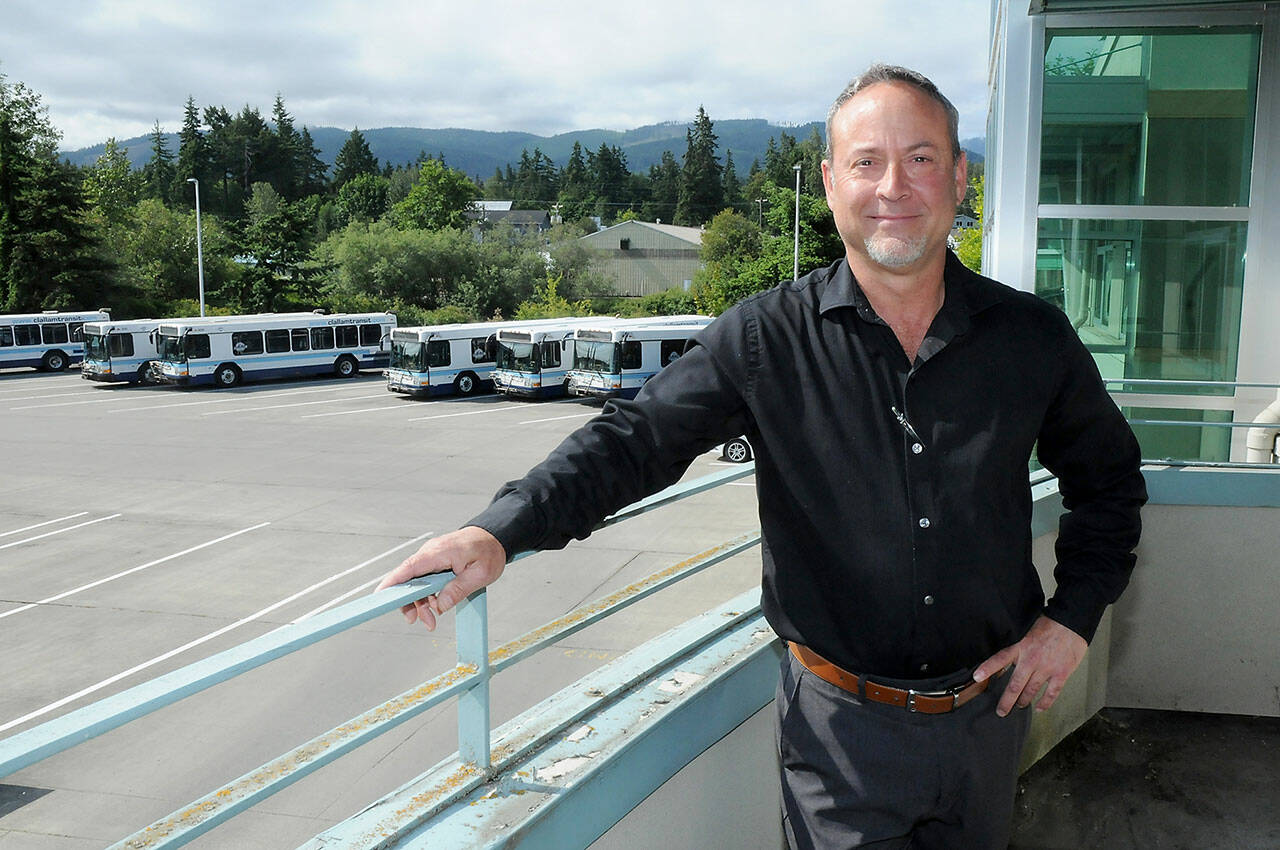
95, 347
408, 356
170, 349
595, 356
518, 357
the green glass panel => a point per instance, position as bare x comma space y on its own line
1177, 441
1161, 117
1150, 299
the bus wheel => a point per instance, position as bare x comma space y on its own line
226, 375
346, 367
54, 361
144, 374
466, 384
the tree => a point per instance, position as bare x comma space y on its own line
49, 256
535, 181
701, 190
664, 194
354, 158
969, 245
193, 155
277, 242
441, 199
731, 185
111, 184
312, 172
363, 198
158, 173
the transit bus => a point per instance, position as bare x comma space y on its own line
617, 361
448, 359
48, 341
120, 351
534, 360
225, 350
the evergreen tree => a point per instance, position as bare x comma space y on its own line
732, 186
535, 182
283, 166
353, 159
575, 188
701, 190
193, 155
664, 190
311, 170
610, 181
158, 173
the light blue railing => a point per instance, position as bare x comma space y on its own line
468, 681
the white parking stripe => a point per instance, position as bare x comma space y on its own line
556, 418
130, 571
59, 531
39, 524
65, 404
349, 412
53, 706
229, 399
292, 404
486, 409
53, 395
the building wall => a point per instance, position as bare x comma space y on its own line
653, 259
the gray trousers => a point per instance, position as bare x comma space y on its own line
857, 773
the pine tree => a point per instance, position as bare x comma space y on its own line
353, 159
312, 171
283, 169
701, 190
664, 190
732, 185
158, 173
193, 155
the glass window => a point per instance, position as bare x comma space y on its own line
631, 355
196, 346
321, 338
54, 334
551, 353
671, 350
300, 338
27, 334
6, 336
370, 334
1161, 435
1150, 299
277, 341
438, 353
120, 345
1157, 117
483, 349
246, 342
77, 331
348, 336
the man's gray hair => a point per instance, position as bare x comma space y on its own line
881, 73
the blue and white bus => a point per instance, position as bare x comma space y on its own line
448, 359
48, 341
121, 351
225, 350
534, 360
618, 360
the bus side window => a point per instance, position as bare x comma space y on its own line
321, 338
6, 336
551, 353
277, 341
196, 346
77, 331
631, 354
370, 334
671, 351
482, 349
246, 342
348, 336
300, 337
119, 345
54, 333
438, 353
27, 334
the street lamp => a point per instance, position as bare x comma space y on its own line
796, 261
199, 243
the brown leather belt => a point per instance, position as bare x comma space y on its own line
924, 702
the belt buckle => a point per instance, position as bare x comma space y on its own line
954, 693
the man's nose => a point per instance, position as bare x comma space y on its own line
893, 183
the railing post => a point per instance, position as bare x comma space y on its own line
472, 635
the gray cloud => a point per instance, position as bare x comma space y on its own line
113, 68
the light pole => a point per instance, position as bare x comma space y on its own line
199, 243
796, 261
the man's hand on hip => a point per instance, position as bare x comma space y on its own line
476, 558
1046, 655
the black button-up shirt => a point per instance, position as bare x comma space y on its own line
895, 507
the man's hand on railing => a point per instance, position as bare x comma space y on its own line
476, 558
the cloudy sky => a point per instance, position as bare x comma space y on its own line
113, 67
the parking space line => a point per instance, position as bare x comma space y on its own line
64, 404
291, 404
39, 524
228, 399
54, 706
349, 412
59, 531
130, 571
556, 418
54, 395
486, 409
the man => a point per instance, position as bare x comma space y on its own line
893, 400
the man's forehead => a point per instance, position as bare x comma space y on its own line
881, 104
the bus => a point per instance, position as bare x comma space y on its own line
120, 351
48, 341
616, 361
534, 361
448, 359
225, 350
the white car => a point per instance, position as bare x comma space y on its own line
737, 450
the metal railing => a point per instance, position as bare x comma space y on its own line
468, 681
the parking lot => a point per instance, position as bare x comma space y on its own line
144, 528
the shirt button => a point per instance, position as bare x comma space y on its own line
928, 600
924, 522
916, 448
924, 668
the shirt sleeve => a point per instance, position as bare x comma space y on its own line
1086, 442
633, 448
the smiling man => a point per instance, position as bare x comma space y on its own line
893, 400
